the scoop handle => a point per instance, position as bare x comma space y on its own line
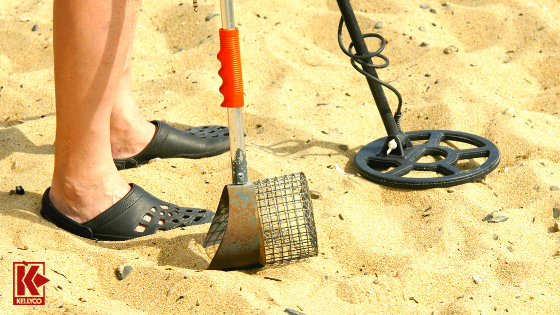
230, 72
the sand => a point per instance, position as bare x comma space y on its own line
389, 255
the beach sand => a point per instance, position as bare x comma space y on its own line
396, 251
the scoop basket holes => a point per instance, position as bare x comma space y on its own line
186, 216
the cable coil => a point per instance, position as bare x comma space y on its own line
363, 61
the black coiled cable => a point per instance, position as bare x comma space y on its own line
361, 59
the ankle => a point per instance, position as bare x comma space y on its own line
82, 199
129, 138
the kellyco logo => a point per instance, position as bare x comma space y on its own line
28, 280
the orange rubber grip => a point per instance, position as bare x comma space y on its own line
230, 72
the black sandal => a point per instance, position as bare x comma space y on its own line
119, 222
170, 142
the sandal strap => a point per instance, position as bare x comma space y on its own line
117, 209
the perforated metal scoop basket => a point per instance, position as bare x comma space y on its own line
286, 214
284, 229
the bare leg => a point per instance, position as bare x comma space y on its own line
92, 40
130, 132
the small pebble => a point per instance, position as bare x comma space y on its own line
20, 190
509, 111
556, 227
492, 219
554, 187
260, 131
425, 6
340, 216
451, 49
477, 279
376, 281
210, 16
378, 25
557, 254
324, 132
556, 213
12, 192
495, 237
123, 271
451, 190
170, 291
422, 28
35, 27
510, 248
343, 147
293, 312
498, 219
314, 194
433, 11
180, 297
331, 188
488, 216
197, 303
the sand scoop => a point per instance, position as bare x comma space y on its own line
268, 221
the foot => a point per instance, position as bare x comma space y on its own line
137, 214
85, 198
